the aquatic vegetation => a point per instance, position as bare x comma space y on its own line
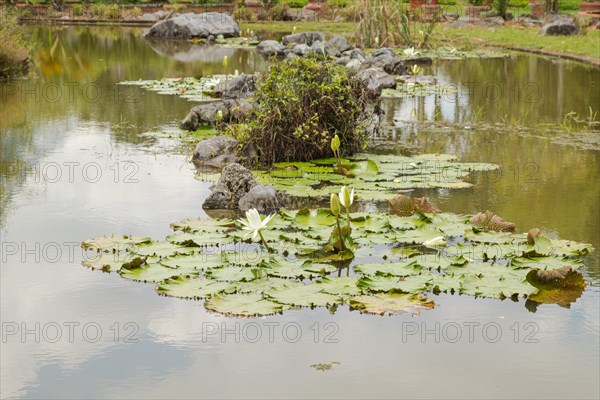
375, 177
301, 104
325, 366
396, 261
193, 89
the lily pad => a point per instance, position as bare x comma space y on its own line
391, 304
242, 305
194, 287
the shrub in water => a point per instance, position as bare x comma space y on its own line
13, 45
301, 105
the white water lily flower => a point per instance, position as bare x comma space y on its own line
436, 241
411, 52
212, 82
346, 198
254, 223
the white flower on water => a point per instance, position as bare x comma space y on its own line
212, 82
436, 241
254, 223
410, 52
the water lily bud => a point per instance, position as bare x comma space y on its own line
236, 73
335, 143
346, 197
335, 204
219, 115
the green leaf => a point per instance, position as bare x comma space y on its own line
400, 268
242, 305
390, 304
199, 239
364, 168
409, 284
203, 224
154, 273
340, 286
194, 287
163, 249
496, 286
305, 218
114, 243
198, 261
299, 294
231, 274
108, 262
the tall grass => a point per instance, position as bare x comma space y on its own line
390, 23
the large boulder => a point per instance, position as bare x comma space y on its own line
215, 152
559, 24
264, 198
300, 15
307, 38
237, 188
375, 80
386, 59
337, 45
207, 113
238, 87
271, 48
190, 25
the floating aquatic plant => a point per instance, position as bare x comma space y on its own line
396, 261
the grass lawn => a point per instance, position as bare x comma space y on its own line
587, 45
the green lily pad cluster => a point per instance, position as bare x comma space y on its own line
398, 260
375, 177
193, 89
408, 90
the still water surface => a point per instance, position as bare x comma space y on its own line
72, 121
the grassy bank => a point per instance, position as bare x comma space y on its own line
585, 45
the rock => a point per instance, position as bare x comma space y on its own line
190, 25
236, 88
211, 39
291, 56
307, 38
418, 79
386, 59
206, 114
559, 24
494, 21
356, 54
215, 152
354, 64
459, 24
317, 48
235, 182
375, 80
301, 15
156, 16
271, 48
337, 45
529, 22
264, 198
342, 61
301, 49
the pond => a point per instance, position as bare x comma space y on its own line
76, 164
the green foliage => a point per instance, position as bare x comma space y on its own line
105, 11
518, 3
301, 105
13, 45
243, 14
296, 3
501, 6
476, 2
77, 9
278, 11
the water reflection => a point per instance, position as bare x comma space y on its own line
173, 357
